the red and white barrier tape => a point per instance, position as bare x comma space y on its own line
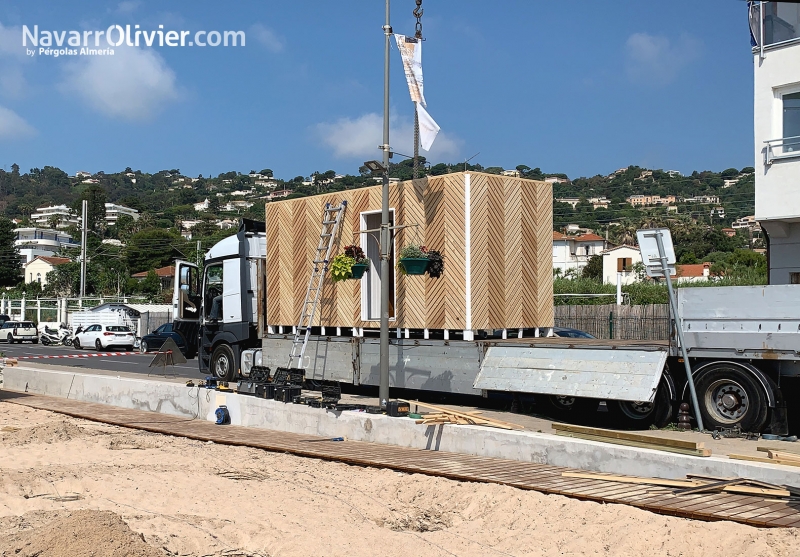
90, 355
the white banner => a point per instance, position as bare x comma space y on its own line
428, 128
411, 53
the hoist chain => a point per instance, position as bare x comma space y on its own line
418, 11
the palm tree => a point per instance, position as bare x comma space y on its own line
53, 221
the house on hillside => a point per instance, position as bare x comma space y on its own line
165, 274
620, 261
700, 272
36, 270
32, 242
574, 252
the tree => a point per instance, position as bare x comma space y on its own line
150, 286
153, 248
10, 267
266, 172
594, 268
96, 207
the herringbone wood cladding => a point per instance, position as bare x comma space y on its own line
511, 247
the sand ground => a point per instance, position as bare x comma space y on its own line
78, 488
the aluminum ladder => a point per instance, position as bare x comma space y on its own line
331, 218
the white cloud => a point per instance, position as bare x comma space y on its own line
360, 137
657, 60
12, 82
133, 84
127, 7
13, 126
266, 37
12, 58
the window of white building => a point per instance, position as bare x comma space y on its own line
791, 122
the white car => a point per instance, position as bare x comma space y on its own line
102, 337
19, 331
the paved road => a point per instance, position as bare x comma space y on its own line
134, 363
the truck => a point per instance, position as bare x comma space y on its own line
743, 344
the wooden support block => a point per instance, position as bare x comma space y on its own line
778, 455
649, 439
640, 445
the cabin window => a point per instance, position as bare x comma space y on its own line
794, 278
371, 282
212, 303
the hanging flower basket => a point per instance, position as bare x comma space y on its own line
414, 265
358, 269
413, 259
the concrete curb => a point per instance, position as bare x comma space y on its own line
178, 400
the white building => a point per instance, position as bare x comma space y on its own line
37, 269
34, 242
745, 222
83, 174
696, 272
202, 206
620, 260
44, 216
113, 213
574, 252
775, 26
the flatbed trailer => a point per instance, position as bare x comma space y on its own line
743, 345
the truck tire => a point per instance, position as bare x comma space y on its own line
730, 396
568, 408
642, 415
223, 364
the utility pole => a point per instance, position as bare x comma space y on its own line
383, 390
417, 35
199, 255
83, 249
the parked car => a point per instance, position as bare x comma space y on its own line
104, 336
157, 338
565, 332
19, 331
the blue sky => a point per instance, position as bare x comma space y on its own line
581, 87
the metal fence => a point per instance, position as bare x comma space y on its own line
53, 310
647, 322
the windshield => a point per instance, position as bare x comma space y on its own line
118, 329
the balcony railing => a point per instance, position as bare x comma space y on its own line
784, 148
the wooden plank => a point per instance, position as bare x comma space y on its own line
650, 439
762, 459
691, 452
791, 447
489, 421
680, 483
783, 455
632, 480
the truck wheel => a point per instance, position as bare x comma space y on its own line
641, 415
730, 396
570, 407
223, 366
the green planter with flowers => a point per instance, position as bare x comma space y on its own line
352, 264
413, 259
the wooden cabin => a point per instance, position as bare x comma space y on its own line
494, 232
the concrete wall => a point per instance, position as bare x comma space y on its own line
177, 399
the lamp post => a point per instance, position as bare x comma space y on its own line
383, 390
